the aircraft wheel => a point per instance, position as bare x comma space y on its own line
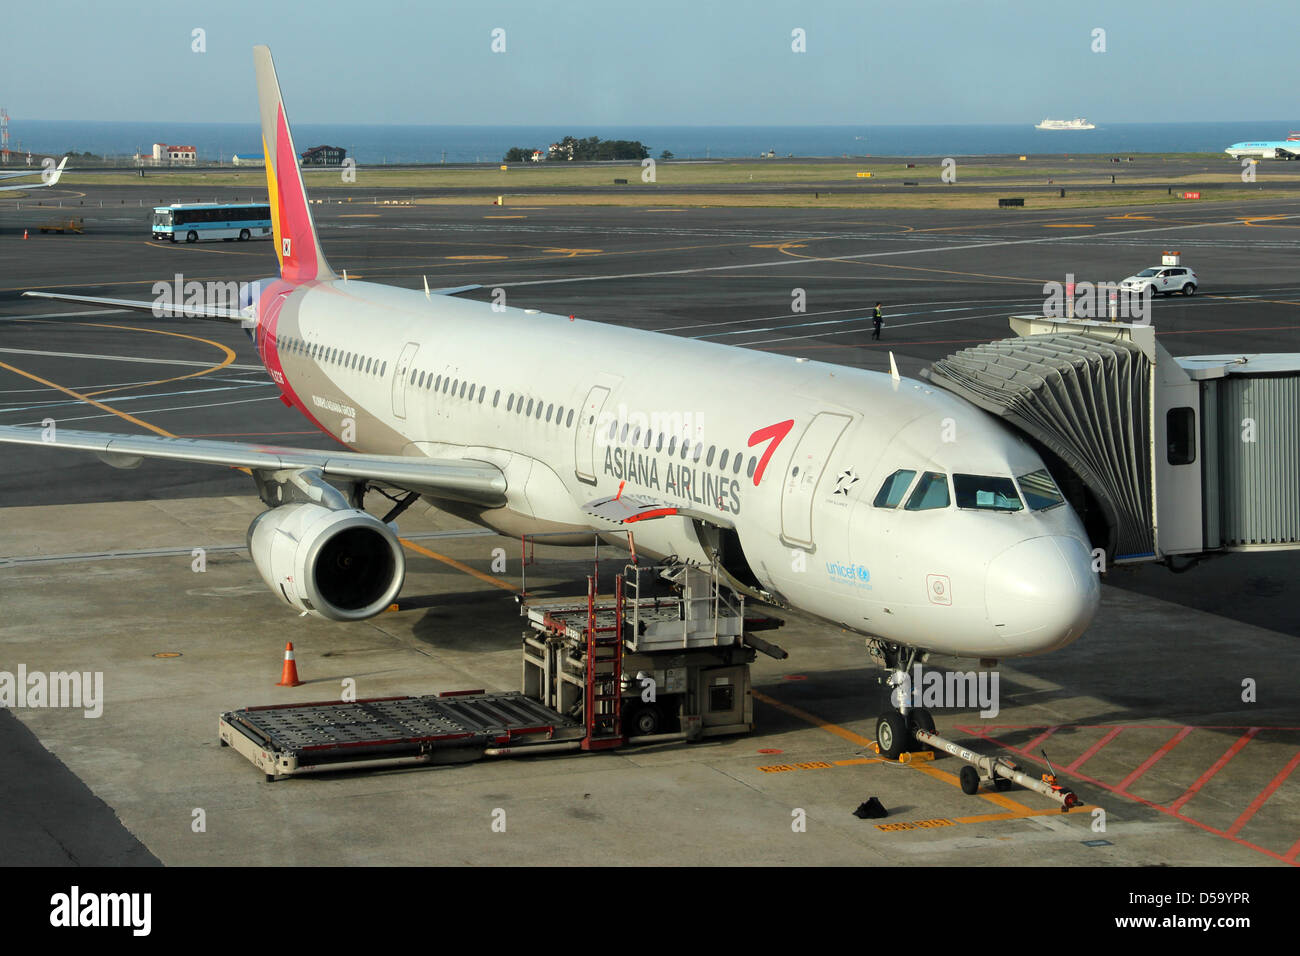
892, 735
920, 719
970, 780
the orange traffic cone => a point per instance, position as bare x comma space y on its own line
289, 676
24, 233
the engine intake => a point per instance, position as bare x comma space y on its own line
343, 565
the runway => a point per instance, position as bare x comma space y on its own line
1166, 657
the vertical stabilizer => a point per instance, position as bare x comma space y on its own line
296, 243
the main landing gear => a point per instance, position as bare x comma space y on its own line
895, 729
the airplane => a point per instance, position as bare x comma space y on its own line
1272, 149
873, 502
54, 174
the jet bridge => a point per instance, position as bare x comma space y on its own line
1160, 456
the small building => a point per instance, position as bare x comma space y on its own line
256, 159
538, 156
165, 155
324, 156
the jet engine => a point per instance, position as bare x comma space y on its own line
342, 565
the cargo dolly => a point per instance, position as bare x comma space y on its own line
288, 739
635, 666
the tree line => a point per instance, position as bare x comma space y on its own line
592, 148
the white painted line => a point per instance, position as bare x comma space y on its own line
1044, 240
64, 315
128, 358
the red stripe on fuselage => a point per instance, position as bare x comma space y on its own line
274, 296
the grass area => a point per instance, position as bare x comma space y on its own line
666, 175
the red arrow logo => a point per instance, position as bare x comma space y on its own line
774, 433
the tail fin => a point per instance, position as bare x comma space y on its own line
296, 244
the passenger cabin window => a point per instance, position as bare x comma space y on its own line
893, 489
931, 492
986, 493
1180, 435
1040, 490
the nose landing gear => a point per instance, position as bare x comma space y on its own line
896, 730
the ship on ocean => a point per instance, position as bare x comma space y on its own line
1076, 123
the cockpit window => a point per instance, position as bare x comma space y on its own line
895, 486
931, 492
1040, 490
986, 493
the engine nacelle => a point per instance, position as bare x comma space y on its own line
343, 565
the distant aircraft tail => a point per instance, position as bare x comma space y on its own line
296, 243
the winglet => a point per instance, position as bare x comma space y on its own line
893, 368
296, 244
54, 177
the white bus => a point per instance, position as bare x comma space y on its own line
194, 221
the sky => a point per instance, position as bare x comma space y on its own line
655, 62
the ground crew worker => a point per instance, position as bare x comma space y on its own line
877, 321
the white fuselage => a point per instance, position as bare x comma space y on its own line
1273, 149
438, 376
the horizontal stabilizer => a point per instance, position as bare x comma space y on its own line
454, 289
162, 311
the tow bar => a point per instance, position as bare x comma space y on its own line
1000, 771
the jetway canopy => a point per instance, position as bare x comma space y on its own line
1161, 456
1087, 399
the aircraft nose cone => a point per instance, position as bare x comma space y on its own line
1042, 593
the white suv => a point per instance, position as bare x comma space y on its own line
1166, 279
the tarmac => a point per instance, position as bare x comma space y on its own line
1143, 716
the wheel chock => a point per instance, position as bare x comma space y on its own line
907, 756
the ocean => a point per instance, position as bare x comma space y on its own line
373, 145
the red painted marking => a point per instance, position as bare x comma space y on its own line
620, 490
652, 513
1033, 744
1094, 748
774, 432
1288, 857
1150, 761
1264, 794
1218, 765
462, 693
794, 677
770, 750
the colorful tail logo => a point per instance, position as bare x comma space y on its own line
296, 245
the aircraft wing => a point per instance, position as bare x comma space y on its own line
629, 508
54, 178
175, 310
478, 482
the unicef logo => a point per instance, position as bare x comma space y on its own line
864, 575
